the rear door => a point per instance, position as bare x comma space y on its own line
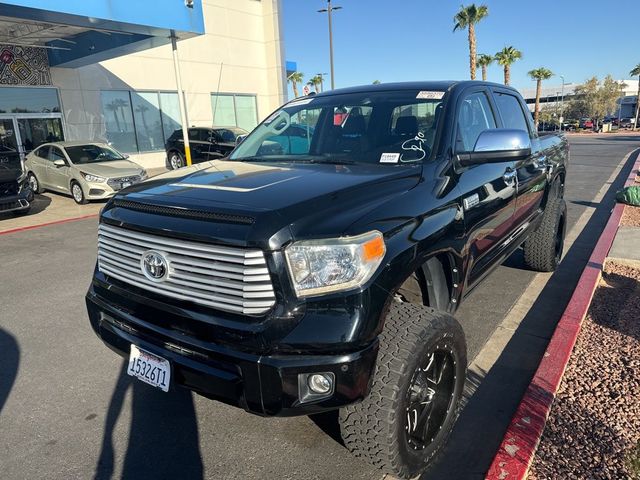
488, 190
38, 163
532, 171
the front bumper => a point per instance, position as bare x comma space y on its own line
104, 190
19, 201
263, 384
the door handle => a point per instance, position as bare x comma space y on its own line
540, 162
510, 177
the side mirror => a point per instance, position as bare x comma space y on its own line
126, 156
211, 140
60, 163
240, 138
498, 145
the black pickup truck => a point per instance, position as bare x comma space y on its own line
15, 192
297, 277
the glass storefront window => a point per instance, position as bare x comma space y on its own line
118, 119
246, 114
36, 131
170, 109
29, 100
146, 113
234, 110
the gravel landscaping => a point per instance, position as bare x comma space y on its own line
593, 431
630, 217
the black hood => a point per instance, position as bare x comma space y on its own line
283, 200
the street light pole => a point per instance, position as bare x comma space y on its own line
562, 104
329, 10
183, 111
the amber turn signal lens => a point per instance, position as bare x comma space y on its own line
373, 249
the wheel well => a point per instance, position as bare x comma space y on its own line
431, 284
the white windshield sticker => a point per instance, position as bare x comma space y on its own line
389, 158
432, 95
296, 103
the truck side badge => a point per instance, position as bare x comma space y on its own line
471, 201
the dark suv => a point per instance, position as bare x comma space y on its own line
319, 266
205, 144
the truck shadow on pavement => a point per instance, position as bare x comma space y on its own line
9, 362
163, 437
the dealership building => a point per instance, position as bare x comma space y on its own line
104, 70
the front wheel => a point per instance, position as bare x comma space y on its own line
34, 183
415, 395
78, 194
543, 249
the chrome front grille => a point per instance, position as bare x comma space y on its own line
225, 278
116, 183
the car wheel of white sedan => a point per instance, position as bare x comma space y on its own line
34, 184
77, 193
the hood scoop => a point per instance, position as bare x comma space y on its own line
183, 212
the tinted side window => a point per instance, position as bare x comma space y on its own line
474, 117
511, 112
194, 134
42, 152
56, 154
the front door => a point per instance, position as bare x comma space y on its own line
488, 191
58, 176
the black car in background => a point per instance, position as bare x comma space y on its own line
205, 144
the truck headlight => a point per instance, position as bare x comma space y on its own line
92, 178
330, 265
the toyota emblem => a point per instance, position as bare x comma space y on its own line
155, 265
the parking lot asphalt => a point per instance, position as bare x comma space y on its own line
68, 410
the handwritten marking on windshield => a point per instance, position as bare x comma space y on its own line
414, 144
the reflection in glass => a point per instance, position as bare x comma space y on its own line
29, 100
118, 119
170, 113
36, 131
146, 112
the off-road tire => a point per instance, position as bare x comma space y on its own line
541, 250
375, 428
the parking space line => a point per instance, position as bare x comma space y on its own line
46, 224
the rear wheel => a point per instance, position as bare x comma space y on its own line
415, 395
543, 249
34, 183
176, 160
77, 193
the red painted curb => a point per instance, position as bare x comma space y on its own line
518, 447
55, 222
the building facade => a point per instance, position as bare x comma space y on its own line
232, 70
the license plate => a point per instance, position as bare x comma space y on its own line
149, 368
125, 185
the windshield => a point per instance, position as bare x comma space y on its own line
83, 154
388, 127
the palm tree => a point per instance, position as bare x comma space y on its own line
483, 62
467, 18
295, 78
376, 82
506, 57
636, 73
539, 74
316, 83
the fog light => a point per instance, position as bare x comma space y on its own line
320, 383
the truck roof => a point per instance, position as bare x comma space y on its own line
440, 85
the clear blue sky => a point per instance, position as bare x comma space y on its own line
413, 39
